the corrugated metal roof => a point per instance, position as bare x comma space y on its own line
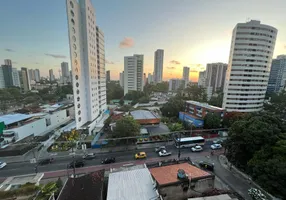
143, 114
12, 118
131, 185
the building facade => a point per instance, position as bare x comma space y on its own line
277, 77
86, 43
176, 83
16, 78
108, 76
158, 65
31, 74
215, 75
24, 79
150, 78
51, 75
37, 75
202, 79
65, 78
249, 64
7, 73
121, 79
8, 62
133, 73
2, 82
186, 75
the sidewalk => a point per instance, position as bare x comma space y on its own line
244, 177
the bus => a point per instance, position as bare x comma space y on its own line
189, 141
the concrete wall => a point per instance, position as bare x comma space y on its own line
176, 192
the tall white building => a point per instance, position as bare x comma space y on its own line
248, 69
65, 73
277, 77
176, 83
37, 75
87, 63
215, 75
186, 75
202, 79
158, 65
133, 73
15, 77
121, 79
8, 62
150, 78
31, 75
51, 75
2, 82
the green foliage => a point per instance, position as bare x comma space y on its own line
173, 107
126, 127
231, 117
211, 121
134, 95
195, 93
216, 100
121, 102
277, 104
24, 190
175, 127
144, 99
114, 91
125, 108
159, 87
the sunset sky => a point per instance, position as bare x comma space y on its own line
34, 32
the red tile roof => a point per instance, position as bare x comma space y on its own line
168, 174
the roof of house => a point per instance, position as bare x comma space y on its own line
131, 185
216, 197
12, 118
205, 105
88, 187
143, 114
168, 174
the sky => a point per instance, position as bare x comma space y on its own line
192, 33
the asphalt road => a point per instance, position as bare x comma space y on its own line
60, 163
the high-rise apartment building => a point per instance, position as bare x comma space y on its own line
249, 64
24, 79
133, 73
2, 82
37, 75
7, 75
176, 83
144, 79
186, 75
121, 79
16, 77
51, 75
31, 74
158, 65
8, 62
202, 79
215, 75
108, 76
65, 69
150, 78
86, 43
101, 70
277, 77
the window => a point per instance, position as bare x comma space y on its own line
75, 62
78, 98
79, 119
73, 38
75, 54
77, 91
72, 13
73, 30
74, 46
78, 105
79, 112
76, 77
77, 84
71, 3
72, 21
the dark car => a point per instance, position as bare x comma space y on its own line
89, 156
46, 161
77, 164
206, 165
108, 160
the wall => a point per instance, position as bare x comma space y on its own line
175, 192
196, 122
57, 118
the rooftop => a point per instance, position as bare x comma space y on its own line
216, 197
88, 187
130, 185
12, 118
204, 105
143, 114
168, 174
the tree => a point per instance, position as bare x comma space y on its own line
175, 127
173, 107
121, 102
195, 93
114, 91
126, 127
217, 99
230, 117
211, 121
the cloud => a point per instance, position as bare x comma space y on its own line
109, 62
171, 67
13, 62
175, 62
127, 42
55, 55
193, 70
9, 50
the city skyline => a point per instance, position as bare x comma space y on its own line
183, 46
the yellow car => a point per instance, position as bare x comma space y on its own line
140, 155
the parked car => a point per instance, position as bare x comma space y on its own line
164, 152
46, 161
157, 149
196, 148
2, 164
88, 156
219, 141
206, 165
76, 163
140, 155
216, 146
108, 160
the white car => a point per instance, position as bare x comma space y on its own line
196, 148
164, 153
216, 146
2, 164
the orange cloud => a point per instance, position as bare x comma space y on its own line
127, 42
